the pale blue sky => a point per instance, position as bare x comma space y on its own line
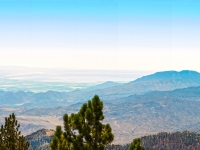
101, 34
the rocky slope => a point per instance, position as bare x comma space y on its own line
40, 139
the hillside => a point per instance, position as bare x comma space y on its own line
185, 140
154, 112
160, 81
40, 139
174, 141
130, 117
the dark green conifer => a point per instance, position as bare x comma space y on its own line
84, 130
10, 138
135, 145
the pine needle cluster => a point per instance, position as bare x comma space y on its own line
10, 136
83, 130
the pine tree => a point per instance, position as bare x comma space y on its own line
135, 145
59, 142
84, 130
10, 138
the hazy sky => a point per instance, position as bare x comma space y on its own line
101, 34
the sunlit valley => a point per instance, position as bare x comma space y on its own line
159, 102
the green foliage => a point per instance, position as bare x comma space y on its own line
10, 138
59, 142
135, 145
84, 130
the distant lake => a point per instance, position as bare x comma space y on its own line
64, 75
61, 80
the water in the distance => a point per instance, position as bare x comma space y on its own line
41, 80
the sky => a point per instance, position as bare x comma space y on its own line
101, 34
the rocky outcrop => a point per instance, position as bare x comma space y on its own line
40, 139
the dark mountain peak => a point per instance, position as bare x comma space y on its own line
189, 73
165, 75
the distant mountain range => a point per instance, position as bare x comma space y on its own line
185, 75
160, 81
165, 101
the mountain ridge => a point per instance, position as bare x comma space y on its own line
184, 74
160, 81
